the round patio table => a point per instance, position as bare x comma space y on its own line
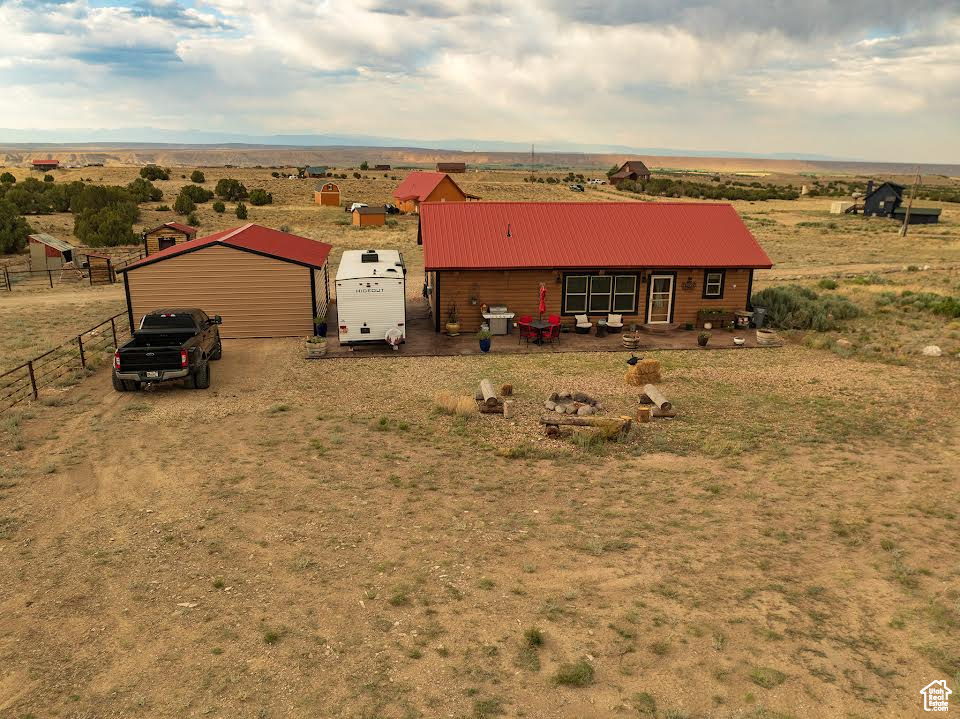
540, 326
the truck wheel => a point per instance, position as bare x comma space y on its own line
201, 378
119, 384
217, 352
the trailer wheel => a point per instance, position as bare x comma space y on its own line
201, 378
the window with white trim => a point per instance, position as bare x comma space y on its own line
600, 294
575, 294
713, 284
625, 294
600, 286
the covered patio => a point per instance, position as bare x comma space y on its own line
424, 341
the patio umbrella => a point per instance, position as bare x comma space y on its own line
543, 299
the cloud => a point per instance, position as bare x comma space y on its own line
750, 75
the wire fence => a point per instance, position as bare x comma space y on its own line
104, 272
64, 365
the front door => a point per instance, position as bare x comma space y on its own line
660, 305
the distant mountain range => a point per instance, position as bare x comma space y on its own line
150, 136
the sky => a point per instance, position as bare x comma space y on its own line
861, 79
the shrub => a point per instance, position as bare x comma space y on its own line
931, 302
13, 229
260, 197
364, 165
827, 284
577, 674
274, 174
184, 204
230, 189
196, 193
107, 226
163, 208
241, 211
154, 172
144, 191
198, 177
794, 307
219, 207
48, 178
7, 178
356, 175
193, 220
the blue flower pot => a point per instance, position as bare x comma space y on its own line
485, 345
320, 329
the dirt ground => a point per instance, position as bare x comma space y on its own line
318, 540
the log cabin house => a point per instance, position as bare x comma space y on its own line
420, 187
167, 235
657, 264
454, 167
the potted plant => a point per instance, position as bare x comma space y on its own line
703, 338
484, 336
453, 320
320, 325
316, 347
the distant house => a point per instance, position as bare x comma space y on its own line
887, 201
328, 195
167, 235
315, 171
657, 263
630, 170
48, 252
369, 216
381, 167
455, 167
44, 165
420, 187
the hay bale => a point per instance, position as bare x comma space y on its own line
646, 371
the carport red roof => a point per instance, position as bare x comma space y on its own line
252, 238
516, 235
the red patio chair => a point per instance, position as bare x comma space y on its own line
552, 334
554, 319
527, 332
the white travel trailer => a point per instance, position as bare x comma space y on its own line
371, 297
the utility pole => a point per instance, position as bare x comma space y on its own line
531, 157
913, 194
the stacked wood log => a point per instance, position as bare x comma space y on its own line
643, 372
489, 403
611, 427
661, 406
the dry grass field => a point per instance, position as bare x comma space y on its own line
318, 540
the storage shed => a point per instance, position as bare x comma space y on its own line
263, 282
315, 171
455, 167
48, 252
328, 195
658, 264
369, 216
420, 187
45, 165
167, 235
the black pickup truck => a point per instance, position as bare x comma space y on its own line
168, 345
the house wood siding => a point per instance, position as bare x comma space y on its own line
257, 296
151, 240
518, 290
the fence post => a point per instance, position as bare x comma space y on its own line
6, 277
33, 380
113, 328
50, 278
83, 359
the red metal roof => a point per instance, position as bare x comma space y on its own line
419, 185
253, 238
514, 235
46, 162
